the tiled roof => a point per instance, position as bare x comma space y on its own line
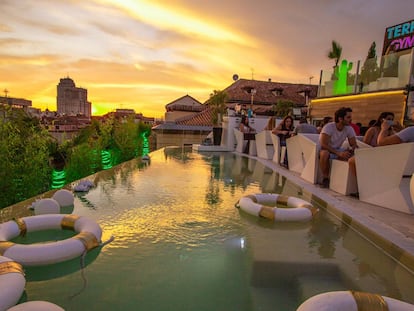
239, 92
267, 94
185, 100
203, 118
171, 126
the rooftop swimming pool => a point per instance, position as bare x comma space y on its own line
181, 244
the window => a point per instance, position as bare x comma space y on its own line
277, 92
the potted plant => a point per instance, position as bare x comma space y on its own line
217, 103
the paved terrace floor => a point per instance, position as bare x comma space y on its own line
389, 229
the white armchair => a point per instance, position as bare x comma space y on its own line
264, 145
384, 175
276, 148
303, 156
341, 178
241, 143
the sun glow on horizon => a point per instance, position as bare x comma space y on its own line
177, 21
144, 54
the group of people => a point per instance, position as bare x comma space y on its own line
283, 130
333, 133
384, 131
286, 129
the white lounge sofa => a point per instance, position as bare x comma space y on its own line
241, 143
384, 175
303, 156
264, 145
341, 178
276, 147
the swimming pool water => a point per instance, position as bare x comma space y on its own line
181, 244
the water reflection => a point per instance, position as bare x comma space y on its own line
323, 235
197, 251
213, 189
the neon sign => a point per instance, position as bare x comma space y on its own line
398, 38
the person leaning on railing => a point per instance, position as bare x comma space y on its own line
271, 124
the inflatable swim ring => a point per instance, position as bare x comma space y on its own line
265, 205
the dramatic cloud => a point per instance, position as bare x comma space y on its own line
143, 54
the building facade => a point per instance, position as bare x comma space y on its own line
72, 100
189, 122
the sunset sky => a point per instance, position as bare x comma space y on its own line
144, 54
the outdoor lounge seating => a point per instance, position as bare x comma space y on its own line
384, 176
276, 146
341, 178
241, 142
264, 145
303, 156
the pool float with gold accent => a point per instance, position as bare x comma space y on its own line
88, 236
353, 301
36, 306
12, 282
277, 207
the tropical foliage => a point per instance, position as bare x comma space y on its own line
335, 53
370, 69
28, 154
283, 108
24, 157
217, 102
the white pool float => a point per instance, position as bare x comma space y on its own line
64, 197
46, 206
265, 205
88, 237
12, 282
36, 306
353, 301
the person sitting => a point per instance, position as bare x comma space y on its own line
356, 128
404, 136
326, 120
249, 132
271, 124
371, 135
284, 130
305, 127
331, 139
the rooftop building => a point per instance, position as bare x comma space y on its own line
72, 100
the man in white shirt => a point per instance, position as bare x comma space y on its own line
331, 139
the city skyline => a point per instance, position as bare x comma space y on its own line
143, 55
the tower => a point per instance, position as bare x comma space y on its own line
72, 100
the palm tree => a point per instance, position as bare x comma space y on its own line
217, 102
335, 52
370, 69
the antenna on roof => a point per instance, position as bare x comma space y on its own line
252, 73
235, 77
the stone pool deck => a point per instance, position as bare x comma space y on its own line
391, 230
